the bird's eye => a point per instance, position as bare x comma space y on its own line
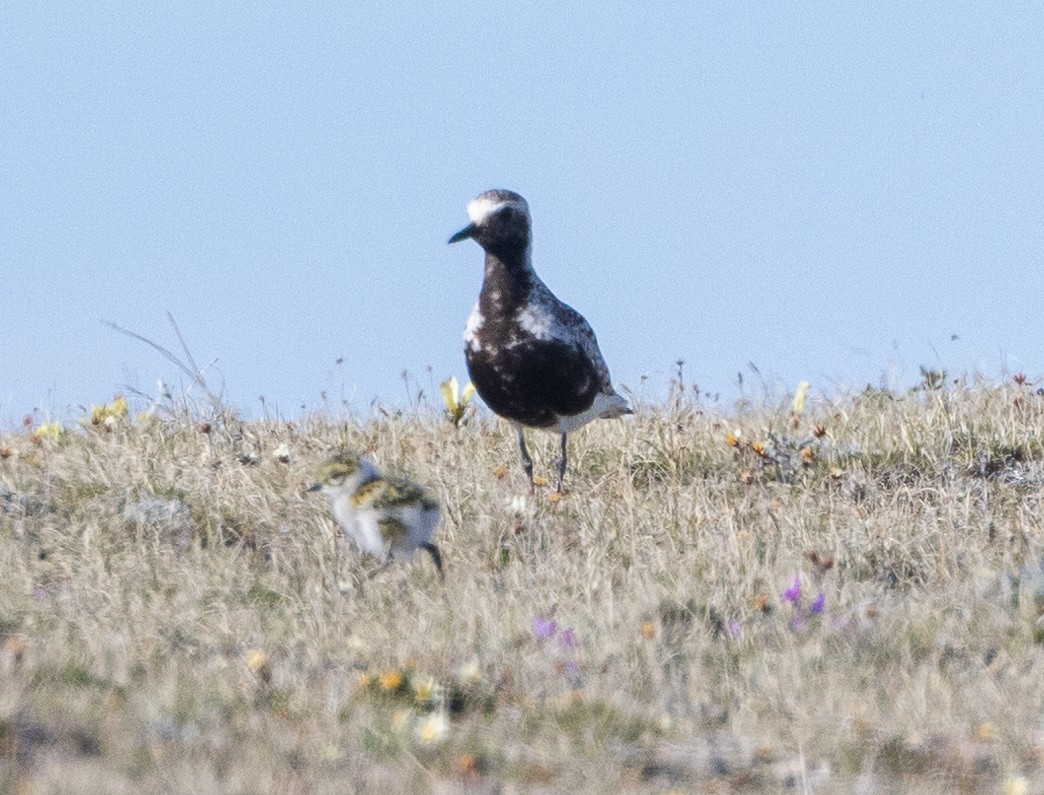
336, 479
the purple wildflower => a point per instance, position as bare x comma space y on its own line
818, 604
569, 640
735, 628
793, 593
544, 627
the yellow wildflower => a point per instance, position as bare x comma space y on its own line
456, 401
800, 396
390, 680
433, 728
257, 661
423, 688
49, 430
108, 415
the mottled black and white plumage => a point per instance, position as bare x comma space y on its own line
533, 359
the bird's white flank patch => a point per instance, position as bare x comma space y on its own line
475, 321
534, 319
605, 405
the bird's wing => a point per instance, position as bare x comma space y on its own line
367, 493
399, 493
576, 327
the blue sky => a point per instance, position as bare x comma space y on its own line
829, 193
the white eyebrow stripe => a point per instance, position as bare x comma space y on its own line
480, 209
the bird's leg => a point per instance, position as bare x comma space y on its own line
527, 462
562, 464
436, 556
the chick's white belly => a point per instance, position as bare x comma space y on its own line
410, 527
367, 532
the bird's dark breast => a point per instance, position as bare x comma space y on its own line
532, 381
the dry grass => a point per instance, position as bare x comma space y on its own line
177, 614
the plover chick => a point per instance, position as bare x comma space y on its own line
388, 517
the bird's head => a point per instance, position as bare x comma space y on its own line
499, 222
343, 473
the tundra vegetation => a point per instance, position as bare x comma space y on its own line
825, 594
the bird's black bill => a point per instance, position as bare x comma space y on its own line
314, 486
463, 234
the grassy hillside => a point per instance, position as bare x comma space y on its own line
844, 598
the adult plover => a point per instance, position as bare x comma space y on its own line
533, 359
390, 518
